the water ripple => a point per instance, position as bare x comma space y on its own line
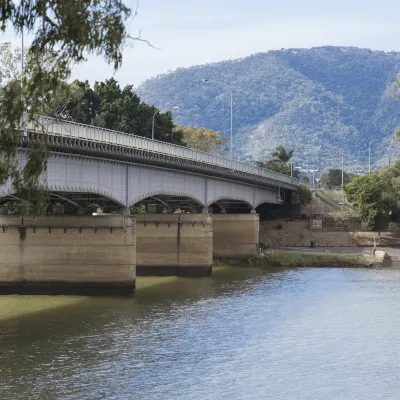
298, 334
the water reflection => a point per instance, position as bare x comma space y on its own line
303, 334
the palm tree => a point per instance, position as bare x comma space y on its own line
280, 154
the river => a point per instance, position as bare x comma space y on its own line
241, 334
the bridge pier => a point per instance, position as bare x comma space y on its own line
174, 244
236, 235
67, 255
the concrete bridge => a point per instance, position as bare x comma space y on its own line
122, 173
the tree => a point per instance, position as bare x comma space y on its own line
280, 162
303, 195
64, 32
376, 196
117, 109
279, 166
305, 179
333, 177
281, 155
10, 61
57, 103
109, 106
54, 103
202, 139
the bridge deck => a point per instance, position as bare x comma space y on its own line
73, 130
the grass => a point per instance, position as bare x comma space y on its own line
311, 259
347, 211
335, 196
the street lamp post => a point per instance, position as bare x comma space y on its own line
152, 125
22, 75
231, 144
313, 162
342, 166
344, 137
231, 106
154, 117
22, 53
369, 154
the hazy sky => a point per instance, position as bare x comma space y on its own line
190, 32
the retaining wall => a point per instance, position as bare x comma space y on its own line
297, 233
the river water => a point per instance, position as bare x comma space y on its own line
242, 334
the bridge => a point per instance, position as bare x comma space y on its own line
119, 170
178, 187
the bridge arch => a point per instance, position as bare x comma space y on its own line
74, 202
230, 205
168, 201
101, 194
125, 183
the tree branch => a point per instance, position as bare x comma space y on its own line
139, 39
52, 23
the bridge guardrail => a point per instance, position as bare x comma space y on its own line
88, 132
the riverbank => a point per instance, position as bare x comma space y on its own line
293, 259
300, 233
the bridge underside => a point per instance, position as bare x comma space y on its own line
84, 203
230, 206
84, 185
168, 204
163, 203
65, 203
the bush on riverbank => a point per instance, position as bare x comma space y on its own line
311, 259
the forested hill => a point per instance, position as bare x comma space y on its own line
339, 95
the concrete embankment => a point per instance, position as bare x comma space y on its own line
297, 233
295, 259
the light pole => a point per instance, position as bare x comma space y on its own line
231, 138
154, 117
313, 161
22, 74
152, 125
369, 154
343, 166
22, 53
344, 137
231, 145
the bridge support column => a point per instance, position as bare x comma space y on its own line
126, 212
236, 235
67, 255
174, 244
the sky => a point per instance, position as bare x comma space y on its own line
192, 32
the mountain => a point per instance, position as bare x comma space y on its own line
339, 98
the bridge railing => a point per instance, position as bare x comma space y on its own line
102, 135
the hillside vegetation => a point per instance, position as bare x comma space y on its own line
338, 97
